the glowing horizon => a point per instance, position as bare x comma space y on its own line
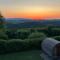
35, 9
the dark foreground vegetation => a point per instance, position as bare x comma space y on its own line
23, 39
11, 45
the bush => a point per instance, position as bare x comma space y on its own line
19, 45
3, 46
3, 36
17, 34
14, 45
57, 38
11, 34
23, 34
35, 39
37, 35
34, 43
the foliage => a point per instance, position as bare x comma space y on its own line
57, 38
12, 34
19, 45
1, 21
35, 39
19, 40
34, 43
37, 35
3, 45
3, 36
23, 35
15, 45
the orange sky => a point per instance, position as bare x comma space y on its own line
33, 15
35, 9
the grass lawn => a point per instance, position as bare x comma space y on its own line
26, 55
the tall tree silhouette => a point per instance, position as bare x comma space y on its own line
1, 21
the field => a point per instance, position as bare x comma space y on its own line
26, 55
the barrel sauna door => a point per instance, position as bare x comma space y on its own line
57, 50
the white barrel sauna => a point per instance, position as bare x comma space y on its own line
51, 48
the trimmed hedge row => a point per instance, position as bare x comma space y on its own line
32, 42
57, 38
19, 45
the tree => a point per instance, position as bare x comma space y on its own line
1, 21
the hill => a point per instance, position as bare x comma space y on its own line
29, 23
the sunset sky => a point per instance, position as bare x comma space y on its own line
35, 9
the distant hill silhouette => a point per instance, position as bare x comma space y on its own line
28, 23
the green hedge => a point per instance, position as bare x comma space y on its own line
57, 38
3, 46
12, 45
19, 45
37, 35
15, 45
3, 36
32, 42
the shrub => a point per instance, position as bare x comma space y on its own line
17, 34
13, 45
3, 36
57, 38
34, 43
23, 35
16, 45
3, 46
37, 35
35, 39
11, 34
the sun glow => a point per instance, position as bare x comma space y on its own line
33, 12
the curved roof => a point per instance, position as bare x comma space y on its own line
48, 45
